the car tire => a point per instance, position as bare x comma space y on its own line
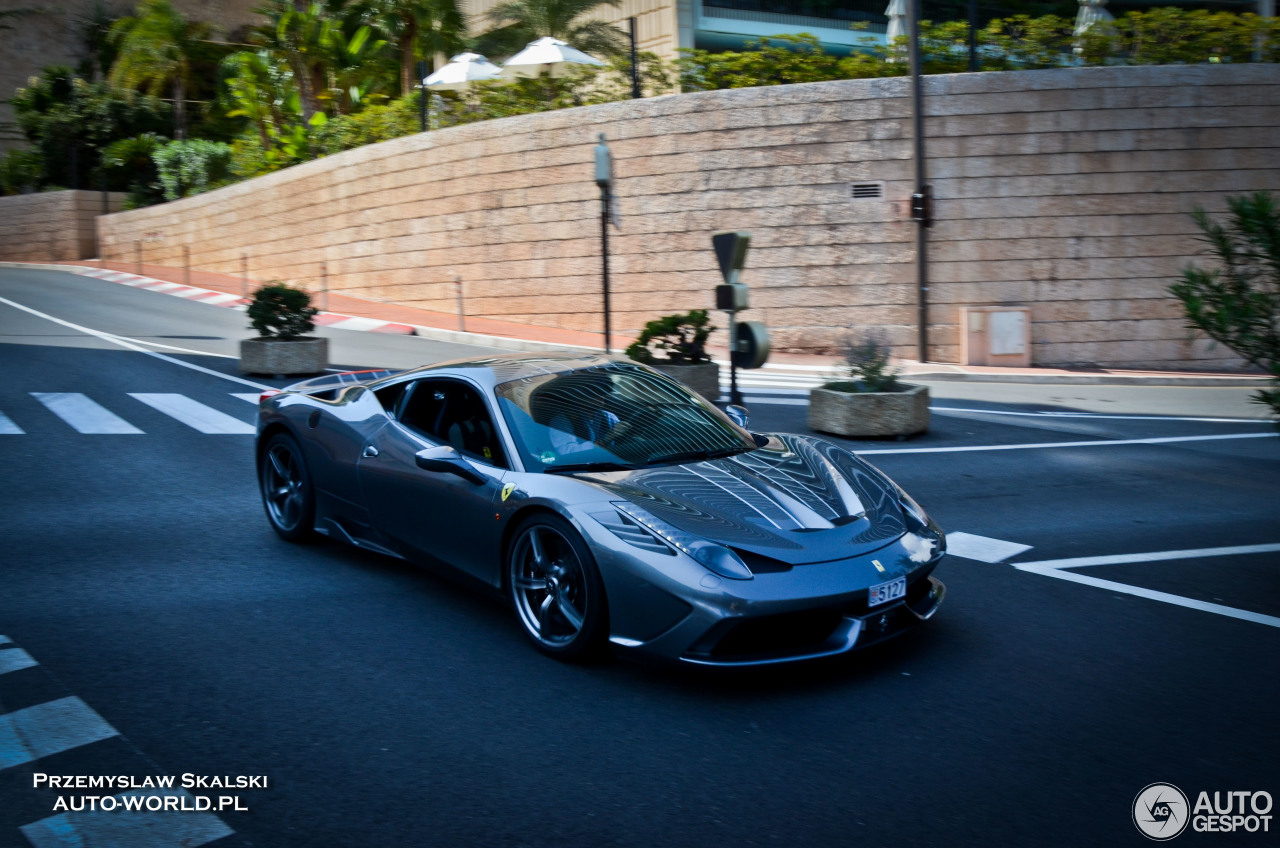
286, 489
555, 588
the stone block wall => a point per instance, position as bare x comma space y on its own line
54, 225
1066, 191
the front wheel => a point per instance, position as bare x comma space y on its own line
286, 488
556, 588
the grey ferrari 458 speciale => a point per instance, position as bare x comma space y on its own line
608, 504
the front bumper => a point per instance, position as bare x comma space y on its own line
813, 634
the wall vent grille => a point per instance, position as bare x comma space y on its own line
866, 191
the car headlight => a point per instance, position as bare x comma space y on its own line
713, 557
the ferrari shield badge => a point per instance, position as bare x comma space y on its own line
507, 490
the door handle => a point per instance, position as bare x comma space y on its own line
370, 451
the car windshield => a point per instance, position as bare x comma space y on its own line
612, 417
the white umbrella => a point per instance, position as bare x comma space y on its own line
897, 13
1091, 12
549, 55
462, 70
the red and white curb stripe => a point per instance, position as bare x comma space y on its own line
234, 301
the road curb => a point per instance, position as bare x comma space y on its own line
360, 324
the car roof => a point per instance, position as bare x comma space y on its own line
502, 368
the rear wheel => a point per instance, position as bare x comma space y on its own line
556, 588
286, 488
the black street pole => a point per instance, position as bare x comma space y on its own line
635, 64
735, 396
604, 250
921, 190
422, 96
973, 36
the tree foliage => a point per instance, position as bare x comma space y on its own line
515, 23
156, 47
70, 121
1237, 303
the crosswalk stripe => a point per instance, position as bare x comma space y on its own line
137, 829
7, 427
84, 415
251, 397
49, 728
194, 414
15, 659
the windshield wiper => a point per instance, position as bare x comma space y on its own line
587, 466
696, 455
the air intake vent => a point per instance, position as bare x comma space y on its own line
866, 191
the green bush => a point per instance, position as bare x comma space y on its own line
190, 167
681, 339
866, 362
1238, 302
373, 124
20, 171
280, 311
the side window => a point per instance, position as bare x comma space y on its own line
454, 414
389, 396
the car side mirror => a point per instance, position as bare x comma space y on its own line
444, 459
737, 414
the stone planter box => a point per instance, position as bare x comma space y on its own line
870, 413
703, 378
305, 355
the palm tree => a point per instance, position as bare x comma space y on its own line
517, 22
419, 29
155, 47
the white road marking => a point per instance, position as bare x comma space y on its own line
7, 427
132, 344
982, 548
775, 401
5, 640
49, 728
84, 415
218, 297
1057, 568
1100, 415
194, 414
1090, 444
1150, 594
163, 287
136, 829
1156, 556
15, 659
250, 397
357, 323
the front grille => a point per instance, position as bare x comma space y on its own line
777, 635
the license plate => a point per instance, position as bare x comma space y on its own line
883, 593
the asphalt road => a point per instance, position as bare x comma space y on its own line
389, 706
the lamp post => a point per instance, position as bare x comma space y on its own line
635, 63
921, 202
604, 179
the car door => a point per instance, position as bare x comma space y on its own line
431, 514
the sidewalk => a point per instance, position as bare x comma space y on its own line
340, 310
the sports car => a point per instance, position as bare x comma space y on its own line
609, 504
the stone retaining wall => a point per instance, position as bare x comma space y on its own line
52, 225
1066, 191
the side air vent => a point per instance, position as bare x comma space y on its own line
866, 191
631, 533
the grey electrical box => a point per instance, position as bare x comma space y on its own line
732, 296
753, 345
